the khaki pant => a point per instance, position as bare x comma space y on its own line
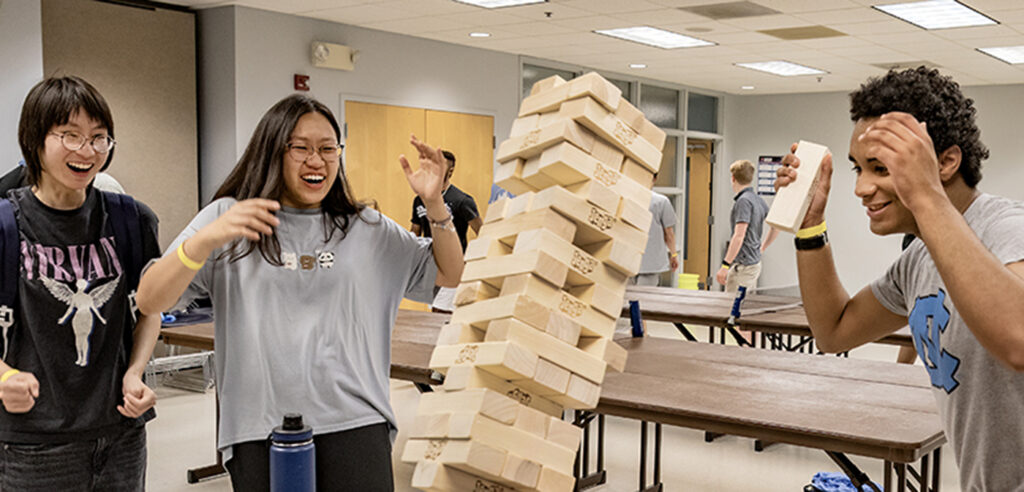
745, 275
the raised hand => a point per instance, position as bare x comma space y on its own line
903, 145
246, 219
138, 398
19, 392
428, 180
787, 174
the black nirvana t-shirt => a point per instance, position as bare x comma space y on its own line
72, 312
459, 204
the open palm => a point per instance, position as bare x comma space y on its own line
428, 180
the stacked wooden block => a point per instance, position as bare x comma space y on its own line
543, 285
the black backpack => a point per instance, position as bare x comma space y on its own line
122, 216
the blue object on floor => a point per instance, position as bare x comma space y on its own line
635, 320
167, 318
837, 482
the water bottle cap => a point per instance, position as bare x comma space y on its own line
292, 422
292, 429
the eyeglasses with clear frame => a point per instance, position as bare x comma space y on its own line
302, 152
74, 142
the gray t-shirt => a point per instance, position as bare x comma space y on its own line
655, 259
981, 401
751, 209
312, 336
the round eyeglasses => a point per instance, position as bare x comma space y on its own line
302, 152
74, 142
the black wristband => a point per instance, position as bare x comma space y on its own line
726, 264
813, 242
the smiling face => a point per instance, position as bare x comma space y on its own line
70, 171
308, 181
875, 188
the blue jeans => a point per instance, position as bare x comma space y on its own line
116, 463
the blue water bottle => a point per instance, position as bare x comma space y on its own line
292, 456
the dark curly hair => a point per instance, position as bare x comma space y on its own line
934, 99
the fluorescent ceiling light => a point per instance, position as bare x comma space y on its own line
937, 14
497, 4
783, 68
651, 36
747, 87
637, 65
1009, 54
479, 34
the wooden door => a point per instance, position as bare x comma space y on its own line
471, 138
698, 208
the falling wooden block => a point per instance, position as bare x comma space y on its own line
629, 189
581, 393
533, 176
534, 142
597, 194
592, 115
563, 433
600, 298
544, 100
637, 172
521, 471
524, 125
468, 377
623, 257
566, 356
606, 349
630, 115
459, 333
483, 247
594, 86
533, 421
592, 322
518, 205
537, 219
546, 84
470, 292
552, 480
494, 270
584, 269
431, 476
607, 154
496, 210
509, 176
480, 400
548, 380
635, 215
470, 456
562, 164
523, 308
651, 133
791, 201
592, 224
503, 359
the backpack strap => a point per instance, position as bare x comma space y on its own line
9, 273
124, 218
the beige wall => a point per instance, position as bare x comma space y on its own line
143, 62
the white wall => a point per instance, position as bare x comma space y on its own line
269, 48
766, 125
21, 56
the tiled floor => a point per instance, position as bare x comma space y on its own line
182, 437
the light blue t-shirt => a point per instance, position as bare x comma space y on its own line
312, 336
655, 258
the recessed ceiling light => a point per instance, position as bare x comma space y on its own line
783, 68
1009, 54
651, 36
937, 14
479, 34
637, 65
747, 87
497, 4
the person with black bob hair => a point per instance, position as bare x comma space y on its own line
74, 349
917, 153
305, 325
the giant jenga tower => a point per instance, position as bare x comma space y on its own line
543, 285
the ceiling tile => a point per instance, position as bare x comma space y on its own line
766, 22
611, 6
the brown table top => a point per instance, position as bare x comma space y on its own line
770, 314
869, 408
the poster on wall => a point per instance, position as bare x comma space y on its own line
767, 165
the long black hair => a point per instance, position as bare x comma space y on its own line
258, 175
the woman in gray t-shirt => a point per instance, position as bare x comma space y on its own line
305, 284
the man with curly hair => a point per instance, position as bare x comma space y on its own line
917, 153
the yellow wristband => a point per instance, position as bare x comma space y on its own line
185, 260
811, 231
7, 375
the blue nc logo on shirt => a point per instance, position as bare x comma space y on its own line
928, 320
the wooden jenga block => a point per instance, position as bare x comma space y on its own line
633, 214
521, 471
494, 270
605, 349
637, 172
651, 133
468, 377
470, 456
593, 85
584, 269
544, 100
592, 224
552, 480
458, 333
601, 298
607, 153
790, 204
592, 115
629, 189
533, 421
503, 359
551, 117
567, 356
496, 210
519, 205
536, 219
533, 176
509, 176
621, 256
482, 400
563, 433
431, 476
597, 194
524, 125
482, 314
483, 247
483, 430
546, 84
534, 142
592, 322
580, 394
548, 380
562, 164
636, 120
470, 292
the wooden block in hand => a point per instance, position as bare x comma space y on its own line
534, 142
503, 359
565, 355
469, 377
592, 115
791, 202
546, 84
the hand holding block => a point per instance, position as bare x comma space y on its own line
791, 202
